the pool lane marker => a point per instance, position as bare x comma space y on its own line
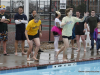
64, 65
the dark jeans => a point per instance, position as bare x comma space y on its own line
92, 40
98, 44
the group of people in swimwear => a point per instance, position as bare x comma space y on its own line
71, 28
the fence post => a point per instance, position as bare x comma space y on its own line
50, 21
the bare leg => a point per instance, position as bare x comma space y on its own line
4, 46
66, 45
29, 50
78, 43
37, 43
72, 42
62, 48
84, 43
23, 44
16, 45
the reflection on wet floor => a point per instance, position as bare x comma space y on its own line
46, 57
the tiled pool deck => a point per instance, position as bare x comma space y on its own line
46, 58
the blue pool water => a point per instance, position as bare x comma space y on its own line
83, 69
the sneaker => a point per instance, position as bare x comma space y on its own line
91, 48
40, 50
98, 50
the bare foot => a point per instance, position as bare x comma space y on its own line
28, 59
16, 54
78, 50
35, 58
65, 60
23, 53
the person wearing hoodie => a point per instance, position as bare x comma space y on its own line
97, 36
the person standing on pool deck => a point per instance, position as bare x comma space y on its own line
56, 31
79, 32
20, 21
4, 20
92, 21
31, 18
31, 33
97, 36
67, 25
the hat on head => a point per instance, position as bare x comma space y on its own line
3, 7
58, 12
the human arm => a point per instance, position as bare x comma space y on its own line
63, 22
26, 32
21, 21
85, 15
2, 20
26, 35
86, 27
40, 31
17, 21
24, 20
57, 24
5, 19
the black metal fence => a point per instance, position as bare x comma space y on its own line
47, 16
43, 8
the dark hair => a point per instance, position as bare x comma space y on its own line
67, 10
77, 11
56, 15
92, 10
33, 10
20, 7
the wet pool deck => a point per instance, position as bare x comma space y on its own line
46, 58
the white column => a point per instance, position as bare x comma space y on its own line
26, 11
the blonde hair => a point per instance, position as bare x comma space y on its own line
58, 12
98, 24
